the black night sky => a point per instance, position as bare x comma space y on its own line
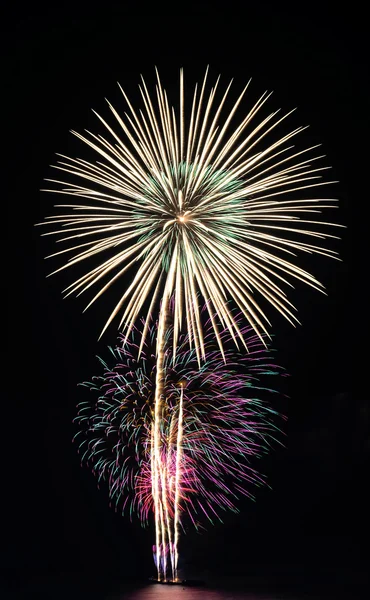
62, 62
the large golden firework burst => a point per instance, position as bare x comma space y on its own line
203, 209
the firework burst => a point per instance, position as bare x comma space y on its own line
212, 424
198, 209
202, 209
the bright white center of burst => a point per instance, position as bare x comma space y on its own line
184, 217
181, 218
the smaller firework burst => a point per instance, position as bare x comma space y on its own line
213, 423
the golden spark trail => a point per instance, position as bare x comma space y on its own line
170, 483
158, 409
163, 533
166, 488
168, 521
178, 474
155, 492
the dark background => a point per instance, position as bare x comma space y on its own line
64, 61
